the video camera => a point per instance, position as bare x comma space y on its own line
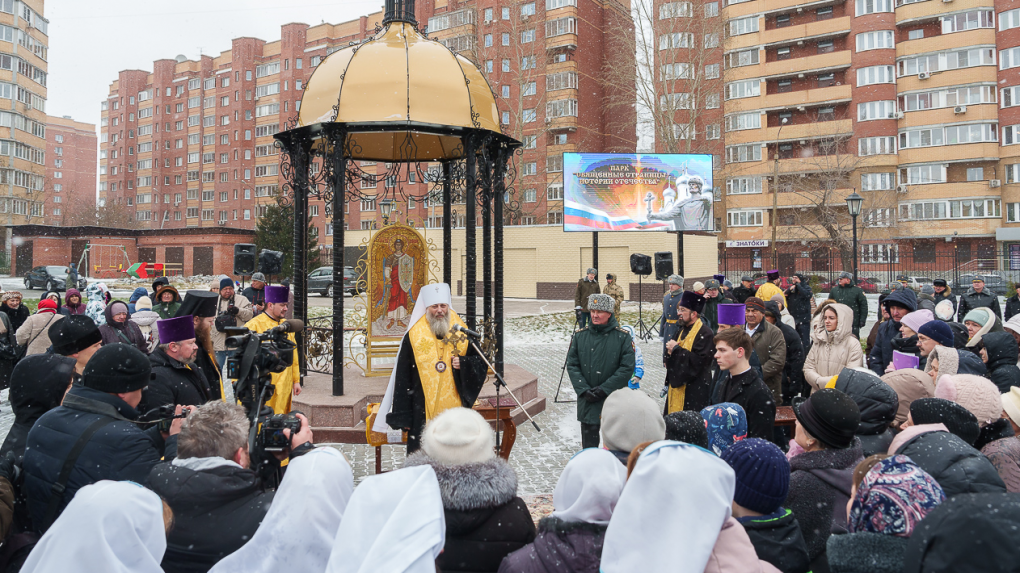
258, 356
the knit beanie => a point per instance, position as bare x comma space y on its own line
459, 436
762, 472
830, 416
726, 424
977, 394
143, 303
698, 286
936, 330
47, 304
915, 320
226, 282
945, 311
117, 368
755, 303
688, 427
630, 417
955, 417
978, 315
1011, 404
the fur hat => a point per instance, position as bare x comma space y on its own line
117, 368
630, 417
459, 436
676, 280
602, 302
711, 284
692, 301
845, 275
977, 394
1011, 404
592, 271
143, 303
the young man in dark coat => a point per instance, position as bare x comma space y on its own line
899, 303
689, 359
744, 386
119, 450
600, 361
978, 297
176, 379
799, 296
217, 500
586, 287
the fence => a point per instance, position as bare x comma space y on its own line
999, 267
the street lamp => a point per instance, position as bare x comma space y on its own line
853, 204
386, 207
775, 196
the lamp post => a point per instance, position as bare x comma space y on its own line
386, 207
775, 197
853, 204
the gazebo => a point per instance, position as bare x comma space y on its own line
404, 99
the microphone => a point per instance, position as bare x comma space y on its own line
289, 325
470, 333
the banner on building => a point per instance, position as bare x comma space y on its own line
637, 192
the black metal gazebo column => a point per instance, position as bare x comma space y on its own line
336, 136
488, 190
297, 149
447, 224
502, 157
470, 208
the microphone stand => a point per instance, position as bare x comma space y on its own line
499, 381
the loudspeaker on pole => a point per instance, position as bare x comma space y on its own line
663, 265
640, 264
244, 259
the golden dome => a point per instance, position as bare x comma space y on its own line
395, 85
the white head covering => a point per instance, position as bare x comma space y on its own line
430, 294
589, 487
675, 503
298, 531
109, 526
394, 523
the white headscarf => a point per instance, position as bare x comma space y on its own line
430, 294
393, 524
589, 487
674, 504
298, 531
109, 526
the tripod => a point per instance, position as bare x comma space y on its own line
556, 398
500, 382
643, 331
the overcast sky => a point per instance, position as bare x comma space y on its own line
90, 42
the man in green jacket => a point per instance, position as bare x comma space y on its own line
586, 287
852, 296
600, 360
713, 298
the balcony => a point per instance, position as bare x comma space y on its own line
988, 151
808, 30
947, 115
819, 62
980, 36
563, 41
810, 131
952, 190
965, 76
807, 97
934, 8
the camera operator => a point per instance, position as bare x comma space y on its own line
93, 435
175, 379
288, 382
217, 500
231, 310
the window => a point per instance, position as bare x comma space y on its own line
975, 174
529, 115
679, 70
675, 101
528, 63
951, 60
742, 89
876, 145
742, 58
554, 4
711, 41
743, 185
742, 121
872, 253
554, 192
877, 181
505, 118
554, 164
1012, 212
530, 196
1013, 173
951, 97
676, 10
826, 80
712, 71
529, 169
712, 101
782, 21
1009, 19
676, 40
529, 141
711, 9
915, 34
561, 108
505, 38
267, 69
557, 81
559, 26
825, 46
823, 13
1011, 135
737, 218
865, 7
505, 92
712, 131
528, 9
743, 153
968, 21
876, 110
452, 20
875, 40
267, 90
923, 174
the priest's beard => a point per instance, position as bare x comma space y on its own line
204, 336
440, 326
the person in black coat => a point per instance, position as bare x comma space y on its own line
10, 304
176, 380
793, 370
978, 296
1000, 356
744, 385
957, 466
877, 403
744, 291
39, 384
118, 329
798, 300
485, 520
899, 303
969, 533
119, 450
690, 369
218, 502
821, 477
1012, 306
256, 293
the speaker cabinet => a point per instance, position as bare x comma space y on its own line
663, 265
640, 264
244, 259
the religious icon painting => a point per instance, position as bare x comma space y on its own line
397, 257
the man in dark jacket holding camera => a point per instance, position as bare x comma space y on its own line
231, 310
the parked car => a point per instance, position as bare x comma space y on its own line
52, 278
321, 281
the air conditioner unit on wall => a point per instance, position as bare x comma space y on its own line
960, 109
993, 183
901, 188
898, 115
923, 75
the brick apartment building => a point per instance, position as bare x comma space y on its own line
910, 103
190, 144
71, 152
23, 54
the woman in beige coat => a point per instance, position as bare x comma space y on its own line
35, 331
834, 346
